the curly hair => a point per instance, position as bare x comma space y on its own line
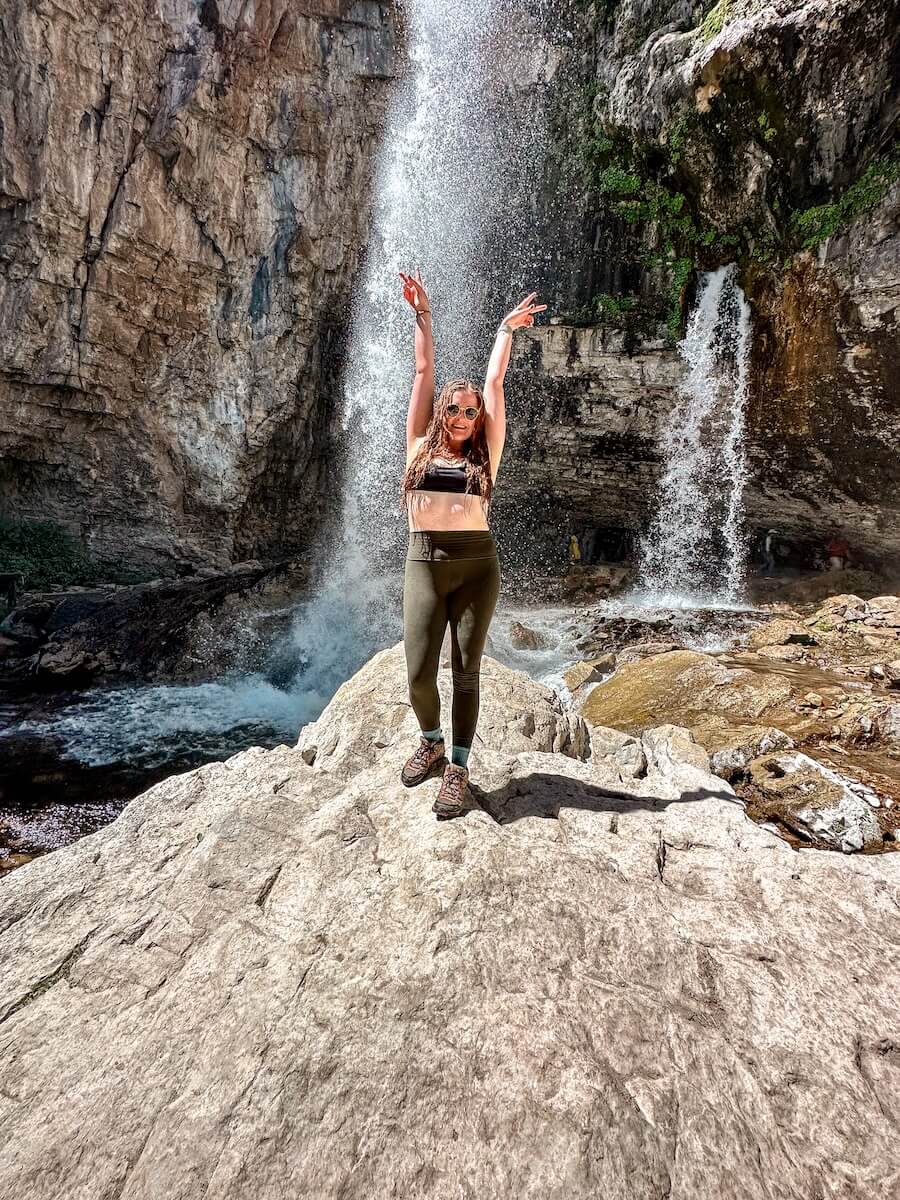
435, 443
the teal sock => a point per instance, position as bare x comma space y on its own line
433, 735
460, 755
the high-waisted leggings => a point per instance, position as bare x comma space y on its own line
452, 576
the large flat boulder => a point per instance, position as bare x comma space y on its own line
281, 976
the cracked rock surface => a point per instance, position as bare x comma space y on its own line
282, 976
184, 194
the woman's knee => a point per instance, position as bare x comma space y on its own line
466, 681
421, 676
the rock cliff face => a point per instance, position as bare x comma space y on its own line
183, 201
764, 134
281, 975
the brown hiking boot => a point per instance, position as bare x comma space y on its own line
422, 762
454, 797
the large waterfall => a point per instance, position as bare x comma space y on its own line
455, 193
461, 155
694, 552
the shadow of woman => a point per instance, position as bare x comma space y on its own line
543, 795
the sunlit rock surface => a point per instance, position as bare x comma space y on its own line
185, 193
271, 978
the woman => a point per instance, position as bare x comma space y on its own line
453, 452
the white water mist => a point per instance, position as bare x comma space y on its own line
694, 552
455, 194
452, 184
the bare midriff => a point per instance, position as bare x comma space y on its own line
446, 510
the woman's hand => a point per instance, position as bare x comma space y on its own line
414, 291
523, 314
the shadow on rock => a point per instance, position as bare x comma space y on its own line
543, 795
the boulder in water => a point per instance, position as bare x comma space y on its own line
524, 638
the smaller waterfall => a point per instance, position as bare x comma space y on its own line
693, 555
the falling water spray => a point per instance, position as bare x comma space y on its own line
694, 552
461, 155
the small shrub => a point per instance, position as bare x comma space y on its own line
45, 554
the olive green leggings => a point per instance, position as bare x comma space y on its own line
452, 576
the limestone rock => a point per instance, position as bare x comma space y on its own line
791, 653
120, 633
748, 115
817, 801
737, 746
371, 712
676, 686
186, 197
590, 671
624, 750
781, 632
269, 975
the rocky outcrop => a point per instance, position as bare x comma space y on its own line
751, 712
113, 635
272, 970
183, 199
709, 133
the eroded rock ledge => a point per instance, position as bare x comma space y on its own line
184, 192
281, 975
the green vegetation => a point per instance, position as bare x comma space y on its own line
638, 184
45, 554
49, 557
767, 132
714, 21
814, 225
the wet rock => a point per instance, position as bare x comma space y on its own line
887, 725
590, 671
122, 633
644, 650
793, 653
70, 664
678, 686
738, 746
817, 802
524, 638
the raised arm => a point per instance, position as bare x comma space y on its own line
421, 400
494, 400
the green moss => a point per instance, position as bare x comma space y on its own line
613, 306
614, 181
714, 21
45, 554
767, 132
681, 272
814, 225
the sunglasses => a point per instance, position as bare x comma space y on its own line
453, 410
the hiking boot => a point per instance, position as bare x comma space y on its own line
422, 762
454, 797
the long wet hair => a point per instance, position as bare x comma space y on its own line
435, 445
